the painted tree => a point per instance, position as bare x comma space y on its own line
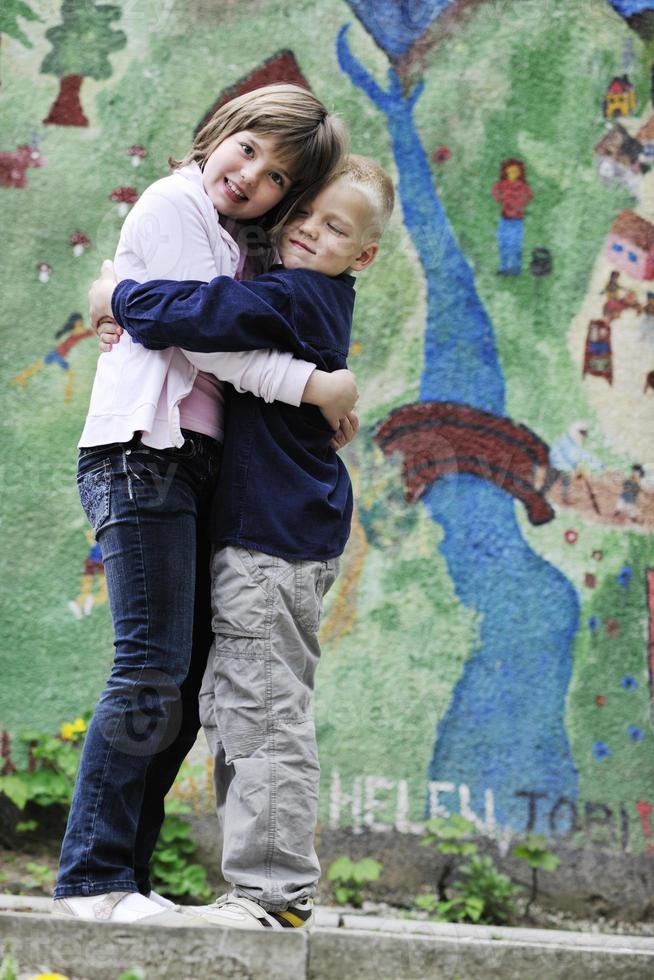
10, 11
639, 14
503, 730
81, 46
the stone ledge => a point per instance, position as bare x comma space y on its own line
342, 946
101, 951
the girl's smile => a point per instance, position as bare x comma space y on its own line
246, 175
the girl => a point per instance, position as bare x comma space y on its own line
149, 457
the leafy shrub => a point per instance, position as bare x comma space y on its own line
349, 876
48, 778
480, 892
535, 852
482, 881
173, 871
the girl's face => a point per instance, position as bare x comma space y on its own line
246, 176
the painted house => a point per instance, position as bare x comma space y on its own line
645, 136
630, 245
620, 98
618, 158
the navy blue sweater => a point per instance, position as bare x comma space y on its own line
283, 489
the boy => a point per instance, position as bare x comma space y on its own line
281, 519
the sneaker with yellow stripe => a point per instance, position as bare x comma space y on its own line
237, 912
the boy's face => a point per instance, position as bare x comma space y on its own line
332, 233
246, 176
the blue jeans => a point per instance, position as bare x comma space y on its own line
510, 232
150, 511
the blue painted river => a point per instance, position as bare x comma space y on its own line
504, 728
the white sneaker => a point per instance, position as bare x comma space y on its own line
236, 912
165, 903
124, 907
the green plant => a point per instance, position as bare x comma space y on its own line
48, 778
8, 966
449, 836
535, 852
461, 908
135, 973
173, 871
23, 826
482, 881
348, 877
42, 875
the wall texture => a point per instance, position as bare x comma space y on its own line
489, 647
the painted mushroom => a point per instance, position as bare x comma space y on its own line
441, 154
137, 153
44, 271
79, 241
124, 197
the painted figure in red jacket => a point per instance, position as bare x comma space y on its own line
513, 193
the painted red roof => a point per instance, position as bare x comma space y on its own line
634, 229
620, 85
280, 67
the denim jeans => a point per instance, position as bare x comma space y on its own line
510, 232
150, 510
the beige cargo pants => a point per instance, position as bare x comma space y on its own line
255, 708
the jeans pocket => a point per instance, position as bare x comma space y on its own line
94, 489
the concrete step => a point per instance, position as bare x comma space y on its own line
341, 947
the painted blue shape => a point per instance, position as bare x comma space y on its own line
624, 576
629, 7
95, 554
635, 733
601, 751
510, 233
629, 683
593, 624
503, 729
396, 24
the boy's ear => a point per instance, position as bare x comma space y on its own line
364, 259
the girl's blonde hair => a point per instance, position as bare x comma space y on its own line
311, 140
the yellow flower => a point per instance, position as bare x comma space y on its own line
67, 732
356, 348
49, 976
79, 726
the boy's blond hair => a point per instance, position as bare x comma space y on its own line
311, 140
375, 183
366, 175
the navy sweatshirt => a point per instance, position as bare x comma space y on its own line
283, 490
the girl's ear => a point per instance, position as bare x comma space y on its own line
364, 259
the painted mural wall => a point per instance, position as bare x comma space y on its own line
489, 647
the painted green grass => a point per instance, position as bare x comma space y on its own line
383, 686
612, 740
